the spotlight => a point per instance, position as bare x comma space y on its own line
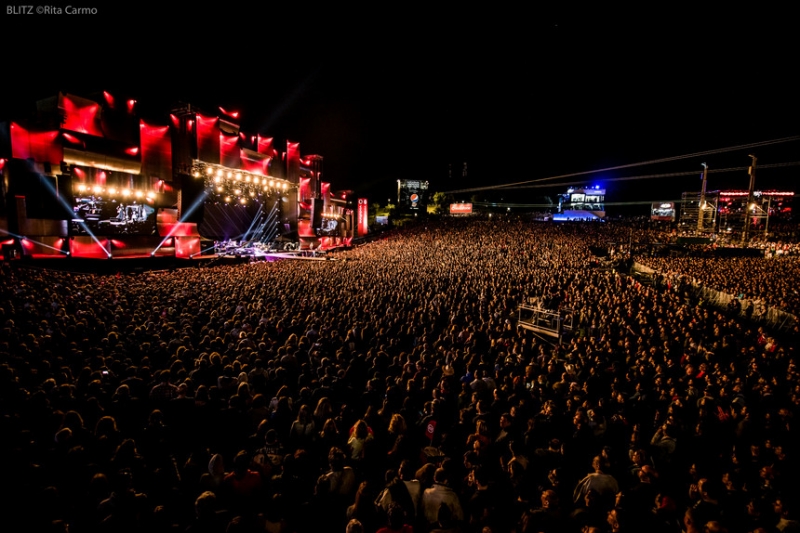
97, 189
209, 170
126, 192
139, 194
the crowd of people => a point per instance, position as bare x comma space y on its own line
769, 280
392, 390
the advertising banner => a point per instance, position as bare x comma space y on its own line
363, 217
460, 209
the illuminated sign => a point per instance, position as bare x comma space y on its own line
460, 209
412, 195
363, 217
663, 211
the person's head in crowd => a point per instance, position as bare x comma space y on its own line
336, 459
354, 526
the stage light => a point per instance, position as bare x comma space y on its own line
209, 170
217, 179
252, 193
126, 192
243, 201
97, 189
284, 186
219, 172
238, 176
138, 194
196, 174
237, 192
81, 187
228, 199
271, 183
112, 190
219, 189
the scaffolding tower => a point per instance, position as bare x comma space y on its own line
699, 211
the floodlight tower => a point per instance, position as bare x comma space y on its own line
702, 204
750, 199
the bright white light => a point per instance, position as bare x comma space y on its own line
139, 194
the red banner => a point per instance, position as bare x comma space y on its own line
363, 217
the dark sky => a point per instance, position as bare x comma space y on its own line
381, 95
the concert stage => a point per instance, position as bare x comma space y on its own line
92, 178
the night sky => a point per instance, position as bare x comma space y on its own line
401, 92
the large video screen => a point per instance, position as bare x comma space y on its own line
330, 227
99, 215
